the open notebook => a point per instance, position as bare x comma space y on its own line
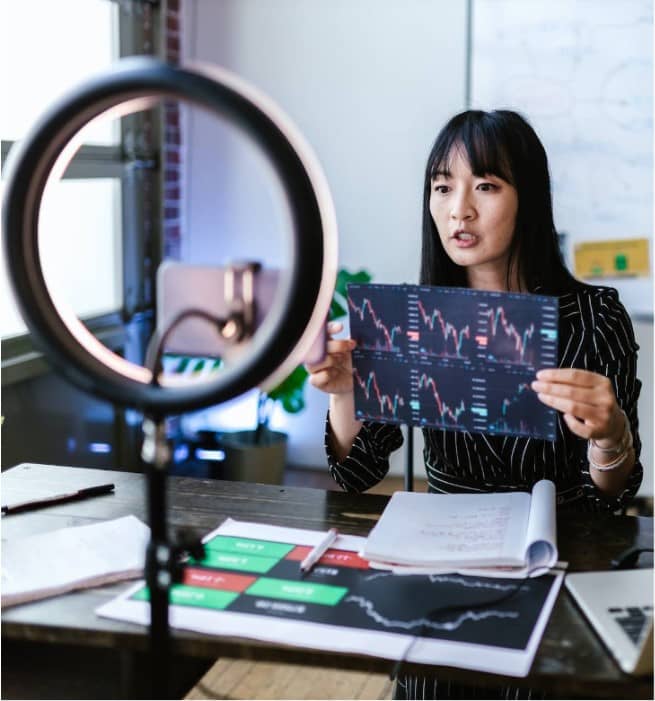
458, 531
47, 564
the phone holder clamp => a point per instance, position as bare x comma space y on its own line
243, 309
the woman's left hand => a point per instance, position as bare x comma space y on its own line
587, 401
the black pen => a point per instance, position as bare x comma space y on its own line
58, 499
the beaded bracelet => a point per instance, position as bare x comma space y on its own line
625, 438
626, 443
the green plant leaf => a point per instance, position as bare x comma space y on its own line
294, 402
338, 307
291, 391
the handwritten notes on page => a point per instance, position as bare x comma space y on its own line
467, 530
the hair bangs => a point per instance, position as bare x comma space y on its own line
442, 154
480, 142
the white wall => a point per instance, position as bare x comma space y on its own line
369, 83
584, 79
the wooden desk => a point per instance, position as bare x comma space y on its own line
571, 660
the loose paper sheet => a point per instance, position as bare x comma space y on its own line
47, 564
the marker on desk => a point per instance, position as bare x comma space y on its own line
317, 552
58, 499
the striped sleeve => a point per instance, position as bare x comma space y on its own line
614, 354
368, 460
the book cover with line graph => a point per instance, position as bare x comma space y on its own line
452, 358
249, 584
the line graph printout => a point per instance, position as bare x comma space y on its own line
382, 388
249, 585
380, 317
443, 330
448, 397
464, 358
514, 408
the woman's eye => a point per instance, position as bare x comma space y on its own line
441, 189
487, 187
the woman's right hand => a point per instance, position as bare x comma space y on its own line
334, 374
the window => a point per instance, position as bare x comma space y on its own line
40, 51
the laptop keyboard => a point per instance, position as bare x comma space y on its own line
633, 620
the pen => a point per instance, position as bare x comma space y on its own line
317, 552
58, 499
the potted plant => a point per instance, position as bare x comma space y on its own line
259, 454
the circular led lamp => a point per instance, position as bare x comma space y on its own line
305, 288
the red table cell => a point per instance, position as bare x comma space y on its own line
336, 558
216, 580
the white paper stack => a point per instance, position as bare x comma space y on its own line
44, 565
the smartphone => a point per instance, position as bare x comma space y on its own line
183, 286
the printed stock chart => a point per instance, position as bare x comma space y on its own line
443, 332
452, 358
446, 398
382, 386
383, 316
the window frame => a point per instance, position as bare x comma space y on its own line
138, 172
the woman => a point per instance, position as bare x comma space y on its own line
488, 224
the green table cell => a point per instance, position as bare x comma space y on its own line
231, 561
184, 595
246, 546
297, 591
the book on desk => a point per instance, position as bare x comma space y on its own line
249, 585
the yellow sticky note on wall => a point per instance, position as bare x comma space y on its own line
615, 258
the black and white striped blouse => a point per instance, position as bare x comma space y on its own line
595, 333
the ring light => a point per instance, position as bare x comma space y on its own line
300, 308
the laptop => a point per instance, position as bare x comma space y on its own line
619, 605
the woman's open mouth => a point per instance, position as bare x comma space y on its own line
464, 239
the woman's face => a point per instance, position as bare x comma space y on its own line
475, 217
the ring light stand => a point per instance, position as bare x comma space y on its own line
295, 319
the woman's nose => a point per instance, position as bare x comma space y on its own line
462, 208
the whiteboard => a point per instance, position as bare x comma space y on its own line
581, 72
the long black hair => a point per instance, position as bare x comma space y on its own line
500, 143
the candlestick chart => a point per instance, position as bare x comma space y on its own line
516, 331
513, 408
382, 388
445, 398
377, 319
445, 330
452, 358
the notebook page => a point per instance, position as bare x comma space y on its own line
475, 530
541, 538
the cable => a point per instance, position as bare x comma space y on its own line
628, 558
429, 616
